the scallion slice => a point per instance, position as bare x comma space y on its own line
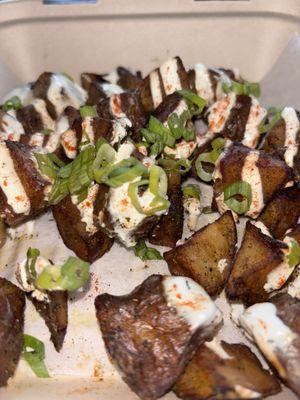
175, 125
263, 128
158, 181
14, 103
72, 275
181, 165
32, 255
46, 131
191, 191
34, 354
46, 165
88, 111
294, 256
204, 175
157, 127
242, 189
145, 253
193, 98
247, 88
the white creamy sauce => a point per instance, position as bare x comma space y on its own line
112, 77
269, 332
109, 89
10, 128
170, 76
260, 225
119, 129
292, 127
116, 106
216, 346
222, 264
203, 83
155, 88
37, 140
22, 277
191, 302
24, 93
11, 184
223, 78
236, 310
250, 173
181, 107
86, 208
62, 124
279, 275
69, 143
52, 142
182, 149
219, 113
245, 393
294, 286
256, 115
193, 209
40, 108
87, 131
62, 93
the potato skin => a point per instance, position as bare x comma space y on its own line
55, 315
88, 247
169, 228
198, 257
282, 212
145, 338
208, 376
258, 255
12, 307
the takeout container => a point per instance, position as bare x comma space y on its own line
137, 33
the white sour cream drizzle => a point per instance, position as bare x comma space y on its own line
116, 106
216, 346
260, 225
279, 275
170, 76
269, 332
86, 208
69, 143
250, 173
24, 93
11, 184
40, 108
37, 139
109, 89
156, 93
62, 124
256, 115
193, 209
203, 83
119, 129
292, 127
112, 77
73, 94
12, 129
191, 302
219, 113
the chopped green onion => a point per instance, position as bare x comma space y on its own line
191, 191
144, 252
158, 181
46, 131
181, 165
294, 256
72, 275
32, 255
68, 76
14, 103
263, 128
34, 354
242, 189
59, 191
158, 127
204, 175
157, 148
188, 134
247, 88
46, 165
176, 126
207, 210
88, 111
193, 98
56, 160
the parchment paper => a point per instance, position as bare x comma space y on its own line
82, 369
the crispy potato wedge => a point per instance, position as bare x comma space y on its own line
282, 212
258, 255
86, 245
12, 307
221, 370
207, 256
55, 315
169, 228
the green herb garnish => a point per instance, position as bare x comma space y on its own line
247, 88
276, 116
34, 354
243, 190
14, 103
191, 191
294, 256
145, 253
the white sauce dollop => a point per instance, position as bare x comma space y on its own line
24, 93
156, 93
292, 126
86, 208
203, 83
170, 76
12, 129
219, 113
193, 209
256, 115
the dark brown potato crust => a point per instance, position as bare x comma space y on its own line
208, 376
12, 307
198, 257
55, 315
145, 338
169, 229
282, 212
258, 255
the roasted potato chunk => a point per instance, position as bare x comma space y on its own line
149, 334
88, 243
282, 212
12, 307
207, 256
55, 314
258, 255
2, 233
169, 229
221, 370
275, 328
